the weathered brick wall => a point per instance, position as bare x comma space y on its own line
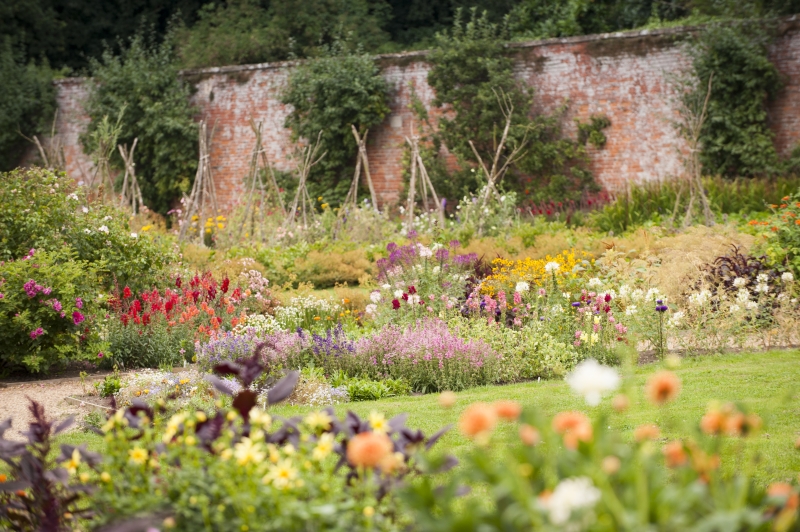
624, 76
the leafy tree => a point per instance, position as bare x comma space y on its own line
27, 103
470, 70
328, 94
253, 31
144, 79
735, 138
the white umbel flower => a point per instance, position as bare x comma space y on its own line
592, 380
552, 267
594, 282
739, 282
103, 229
571, 494
787, 277
522, 287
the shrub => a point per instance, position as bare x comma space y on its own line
49, 309
330, 94
144, 81
325, 269
27, 103
783, 236
47, 210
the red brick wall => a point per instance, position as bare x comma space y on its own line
623, 76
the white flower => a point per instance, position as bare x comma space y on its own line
631, 310
107, 218
134, 235
73, 197
652, 294
371, 308
436, 270
751, 305
375, 297
522, 287
733, 309
594, 282
424, 252
103, 229
637, 294
571, 494
762, 278
781, 296
762, 288
592, 380
87, 231
398, 294
700, 298
624, 290
675, 319
552, 267
787, 277
742, 296
413, 299
739, 282
85, 209
386, 286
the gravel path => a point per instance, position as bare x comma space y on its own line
52, 394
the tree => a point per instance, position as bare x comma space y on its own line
144, 79
27, 103
329, 94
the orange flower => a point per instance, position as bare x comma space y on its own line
674, 454
620, 403
646, 432
368, 449
230, 309
703, 462
663, 387
529, 435
797, 222
785, 198
574, 427
3, 478
478, 419
779, 489
740, 425
783, 205
713, 422
509, 410
773, 206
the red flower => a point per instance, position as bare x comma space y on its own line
126, 293
137, 305
412, 290
178, 282
608, 298
225, 284
396, 303
405, 297
237, 293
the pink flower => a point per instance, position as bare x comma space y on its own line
78, 302
100, 354
77, 318
517, 298
576, 343
38, 332
542, 292
57, 305
578, 334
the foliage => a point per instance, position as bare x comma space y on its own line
27, 102
783, 234
330, 94
471, 71
43, 490
657, 202
144, 80
736, 140
49, 309
248, 470
46, 210
247, 31
585, 477
109, 386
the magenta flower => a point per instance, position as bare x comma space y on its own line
79, 302
57, 305
38, 332
100, 354
77, 318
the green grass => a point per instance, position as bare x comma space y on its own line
765, 383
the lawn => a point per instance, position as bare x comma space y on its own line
765, 383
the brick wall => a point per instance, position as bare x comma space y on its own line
624, 76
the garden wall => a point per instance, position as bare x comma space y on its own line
622, 75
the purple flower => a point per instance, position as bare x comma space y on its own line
454, 244
38, 332
2, 295
78, 302
661, 308
659, 302
77, 318
412, 234
576, 303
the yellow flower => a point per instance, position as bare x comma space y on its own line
74, 461
281, 474
84, 477
319, 198
324, 447
220, 226
247, 452
105, 477
138, 455
324, 205
259, 417
378, 422
318, 420
369, 511
220, 218
317, 318
195, 218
